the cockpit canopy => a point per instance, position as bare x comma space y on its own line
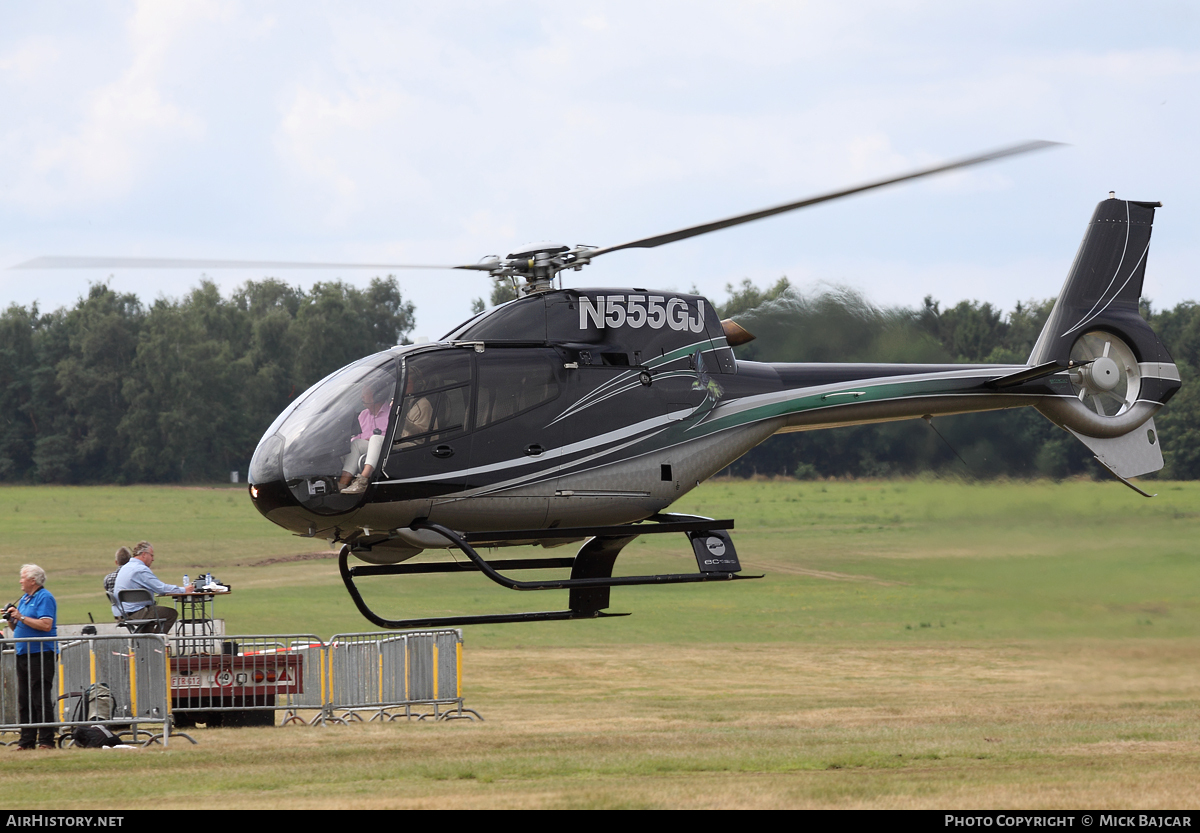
307, 444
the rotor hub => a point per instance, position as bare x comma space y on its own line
537, 264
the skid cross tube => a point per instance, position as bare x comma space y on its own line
588, 585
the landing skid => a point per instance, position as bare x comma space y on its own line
591, 568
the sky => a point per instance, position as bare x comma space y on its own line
391, 132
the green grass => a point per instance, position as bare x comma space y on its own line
908, 561
913, 644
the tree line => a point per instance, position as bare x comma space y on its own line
181, 390
113, 391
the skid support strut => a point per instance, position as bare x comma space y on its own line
591, 569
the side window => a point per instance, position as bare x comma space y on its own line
512, 381
437, 398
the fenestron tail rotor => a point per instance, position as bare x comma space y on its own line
1104, 373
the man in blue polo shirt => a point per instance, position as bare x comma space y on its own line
35, 615
136, 575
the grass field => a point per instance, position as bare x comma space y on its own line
914, 644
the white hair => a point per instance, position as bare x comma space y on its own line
34, 572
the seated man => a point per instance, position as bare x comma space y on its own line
122, 558
418, 410
136, 575
110, 580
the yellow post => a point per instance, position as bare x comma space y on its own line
325, 684
133, 709
61, 686
332, 688
167, 666
436, 691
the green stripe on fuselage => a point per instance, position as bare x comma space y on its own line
871, 392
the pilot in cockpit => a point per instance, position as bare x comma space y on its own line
364, 447
418, 410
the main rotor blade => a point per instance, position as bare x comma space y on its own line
182, 263
705, 228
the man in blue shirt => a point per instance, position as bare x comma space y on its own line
136, 575
33, 616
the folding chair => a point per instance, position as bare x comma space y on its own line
134, 596
116, 604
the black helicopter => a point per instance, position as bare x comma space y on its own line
582, 414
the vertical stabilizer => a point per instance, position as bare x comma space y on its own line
1104, 285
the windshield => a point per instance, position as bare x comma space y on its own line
326, 439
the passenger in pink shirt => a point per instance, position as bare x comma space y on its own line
373, 420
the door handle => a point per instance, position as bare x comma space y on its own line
443, 451
534, 450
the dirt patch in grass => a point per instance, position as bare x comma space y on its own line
289, 559
792, 570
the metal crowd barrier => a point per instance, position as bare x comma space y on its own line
245, 679
134, 668
389, 675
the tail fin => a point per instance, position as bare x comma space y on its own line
1105, 284
1120, 373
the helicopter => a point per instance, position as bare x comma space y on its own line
581, 414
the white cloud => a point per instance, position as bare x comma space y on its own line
31, 59
113, 128
444, 132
